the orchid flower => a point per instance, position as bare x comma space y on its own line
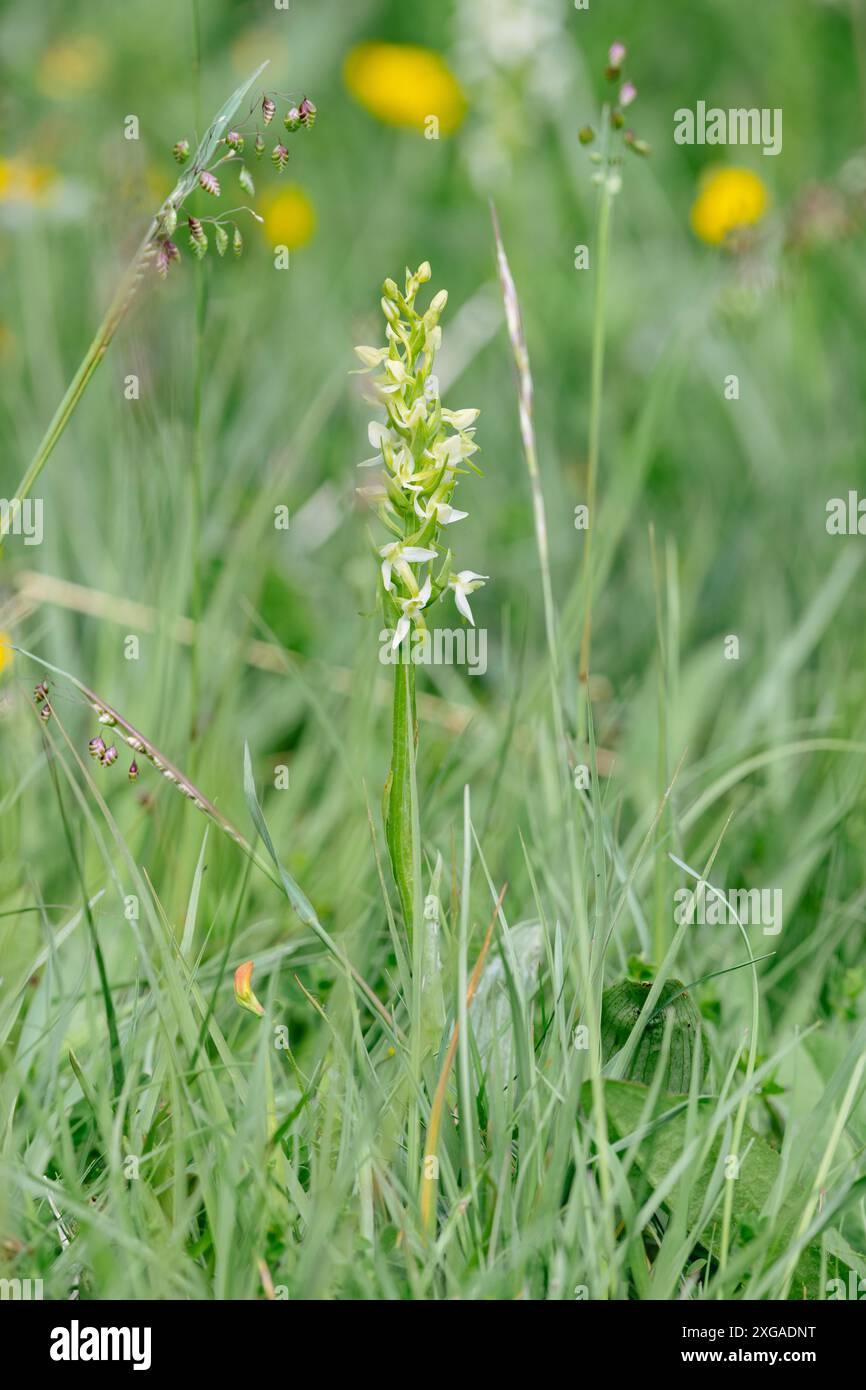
411, 611
463, 584
443, 513
396, 555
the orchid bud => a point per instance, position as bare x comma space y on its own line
423, 273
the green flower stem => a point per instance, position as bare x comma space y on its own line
197, 452
602, 246
399, 828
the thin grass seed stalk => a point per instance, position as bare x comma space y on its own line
106, 755
158, 250
141, 746
422, 451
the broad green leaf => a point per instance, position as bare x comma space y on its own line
759, 1169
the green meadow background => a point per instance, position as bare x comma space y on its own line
711, 524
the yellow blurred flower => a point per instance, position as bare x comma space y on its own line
727, 199
22, 182
289, 217
72, 66
6, 653
402, 85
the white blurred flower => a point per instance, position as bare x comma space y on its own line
370, 356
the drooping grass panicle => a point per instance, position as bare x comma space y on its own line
141, 746
158, 251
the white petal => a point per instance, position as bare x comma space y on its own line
417, 553
467, 576
445, 514
395, 369
386, 574
424, 593
377, 432
371, 463
463, 605
400, 632
460, 419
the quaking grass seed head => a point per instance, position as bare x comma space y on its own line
209, 157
